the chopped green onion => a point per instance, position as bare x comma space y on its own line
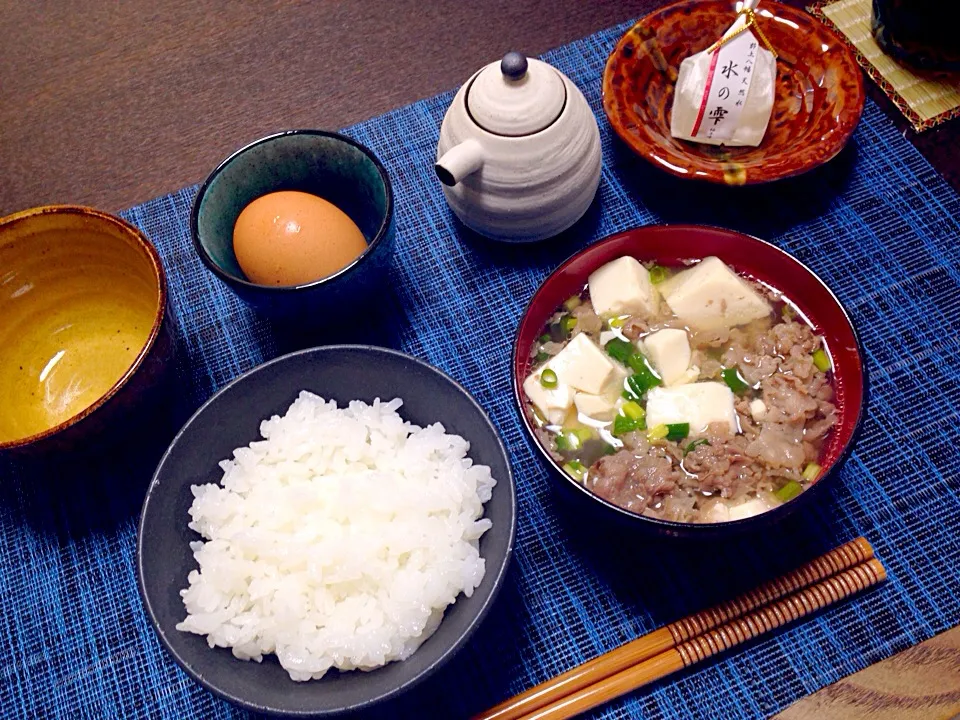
572, 302
548, 378
658, 274
633, 411
617, 322
658, 432
644, 376
623, 425
619, 350
734, 380
668, 431
575, 469
789, 491
821, 360
542, 356
568, 323
545, 338
677, 431
628, 394
583, 434
639, 364
811, 471
635, 387
694, 445
563, 442
609, 450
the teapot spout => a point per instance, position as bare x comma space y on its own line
459, 161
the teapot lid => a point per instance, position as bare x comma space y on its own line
517, 96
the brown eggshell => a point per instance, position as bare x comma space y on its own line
291, 237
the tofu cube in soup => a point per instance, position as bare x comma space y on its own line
623, 287
598, 407
580, 366
632, 418
584, 366
710, 295
553, 402
717, 512
756, 506
608, 335
669, 351
699, 404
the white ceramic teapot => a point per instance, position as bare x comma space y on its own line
519, 151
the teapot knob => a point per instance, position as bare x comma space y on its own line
514, 65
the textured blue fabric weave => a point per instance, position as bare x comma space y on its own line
878, 225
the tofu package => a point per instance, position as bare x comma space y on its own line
724, 95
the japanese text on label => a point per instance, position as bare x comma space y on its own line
727, 87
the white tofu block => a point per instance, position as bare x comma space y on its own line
719, 512
622, 287
748, 509
758, 409
598, 407
585, 367
608, 335
698, 404
690, 376
552, 402
669, 351
710, 295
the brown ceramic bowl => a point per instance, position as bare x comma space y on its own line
83, 326
819, 92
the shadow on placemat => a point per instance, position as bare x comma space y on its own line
764, 210
650, 575
93, 489
381, 322
532, 254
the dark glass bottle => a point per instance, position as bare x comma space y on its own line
923, 33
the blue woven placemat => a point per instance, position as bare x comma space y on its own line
879, 226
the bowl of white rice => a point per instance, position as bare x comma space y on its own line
326, 531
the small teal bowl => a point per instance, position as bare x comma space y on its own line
326, 164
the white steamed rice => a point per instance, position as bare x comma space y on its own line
338, 540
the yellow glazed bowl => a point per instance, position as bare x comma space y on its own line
82, 333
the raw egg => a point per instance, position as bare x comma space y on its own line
291, 238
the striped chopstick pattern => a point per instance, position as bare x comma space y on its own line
729, 635
841, 558
685, 630
780, 612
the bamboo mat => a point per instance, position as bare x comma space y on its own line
926, 99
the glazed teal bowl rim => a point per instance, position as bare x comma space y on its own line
232, 279
152, 254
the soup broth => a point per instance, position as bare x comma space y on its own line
707, 399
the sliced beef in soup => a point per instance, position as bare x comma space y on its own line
690, 394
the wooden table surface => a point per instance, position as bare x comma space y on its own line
919, 683
110, 104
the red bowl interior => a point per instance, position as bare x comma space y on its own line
670, 245
818, 99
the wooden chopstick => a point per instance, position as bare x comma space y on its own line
636, 651
761, 621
